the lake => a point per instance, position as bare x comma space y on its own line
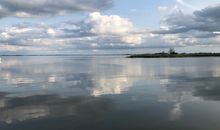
109, 93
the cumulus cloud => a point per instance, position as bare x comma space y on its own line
38, 8
97, 31
112, 24
104, 29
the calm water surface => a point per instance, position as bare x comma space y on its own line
109, 93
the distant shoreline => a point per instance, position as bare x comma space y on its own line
176, 55
65, 55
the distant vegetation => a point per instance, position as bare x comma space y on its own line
173, 54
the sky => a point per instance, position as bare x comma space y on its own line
108, 26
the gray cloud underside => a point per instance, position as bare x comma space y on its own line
206, 20
202, 27
69, 36
39, 8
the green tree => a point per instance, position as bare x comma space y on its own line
172, 51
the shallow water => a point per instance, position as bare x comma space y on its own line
109, 93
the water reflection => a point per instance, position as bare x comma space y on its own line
21, 109
111, 86
55, 75
90, 92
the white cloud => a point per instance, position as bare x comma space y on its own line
113, 24
137, 39
4, 35
10, 48
18, 30
51, 31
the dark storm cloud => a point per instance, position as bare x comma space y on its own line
37, 8
206, 20
211, 12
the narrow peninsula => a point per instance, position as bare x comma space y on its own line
173, 54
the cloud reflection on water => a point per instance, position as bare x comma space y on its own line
22, 109
86, 87
91, 78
